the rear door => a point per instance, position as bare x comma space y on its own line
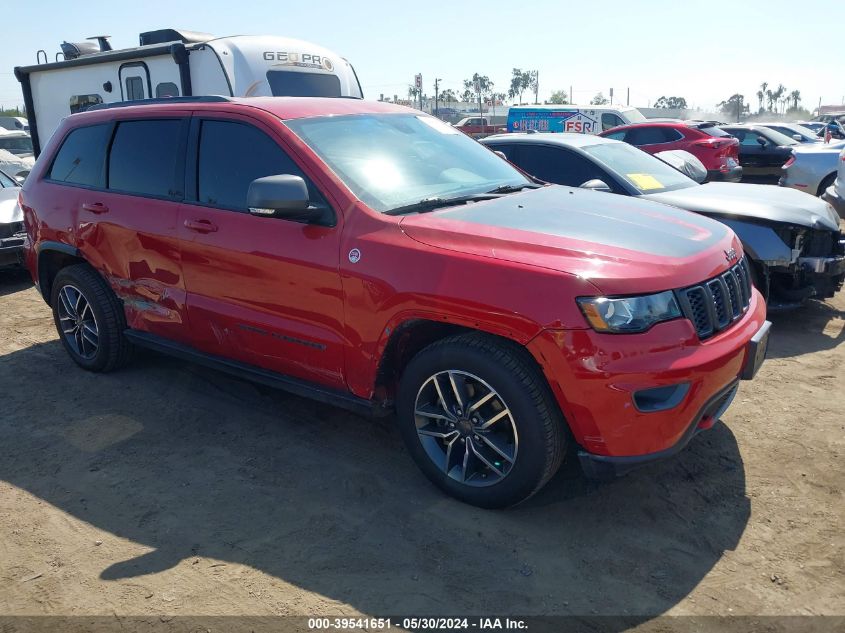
135, 81
262, 290
127, 229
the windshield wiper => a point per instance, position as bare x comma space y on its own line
514, 188
430, 204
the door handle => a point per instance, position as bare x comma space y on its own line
95, 207
200, 226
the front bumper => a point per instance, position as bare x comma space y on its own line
11, 250
835, 200
597, 379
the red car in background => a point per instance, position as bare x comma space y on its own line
718, 150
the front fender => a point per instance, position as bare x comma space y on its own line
761, 243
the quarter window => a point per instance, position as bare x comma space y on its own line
143, 157
167, 89
79, 161
80, 103
231, 156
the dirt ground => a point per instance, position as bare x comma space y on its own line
168, 489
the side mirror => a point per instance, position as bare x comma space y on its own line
595, 185
797, 137
762, 142
283, 196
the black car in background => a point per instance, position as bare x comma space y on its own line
792, 239
762, 151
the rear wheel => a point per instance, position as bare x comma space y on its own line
479, 420
89, 319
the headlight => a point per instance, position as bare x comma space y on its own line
629, 314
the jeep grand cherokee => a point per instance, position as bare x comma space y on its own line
376, 258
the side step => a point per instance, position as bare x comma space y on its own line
295, 386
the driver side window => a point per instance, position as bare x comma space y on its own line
231, 156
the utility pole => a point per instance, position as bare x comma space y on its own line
611, 96
571, 96
536, 86
436, 92
628, 100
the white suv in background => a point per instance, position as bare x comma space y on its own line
835, 193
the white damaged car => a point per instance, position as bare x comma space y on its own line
12, 231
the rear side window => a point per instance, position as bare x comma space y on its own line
652, 135
143, 157
231, 156
80, 103
79, 160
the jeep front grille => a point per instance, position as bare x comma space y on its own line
716, 303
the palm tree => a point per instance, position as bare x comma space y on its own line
762, 93
778, 94
795, 95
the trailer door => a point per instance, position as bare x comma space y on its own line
135, 81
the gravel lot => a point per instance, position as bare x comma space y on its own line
168, 489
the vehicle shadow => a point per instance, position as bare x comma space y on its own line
814, 327
13, 280
193, 463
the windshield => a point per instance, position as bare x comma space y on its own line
393, 160
642, 171
634, 116
16, 144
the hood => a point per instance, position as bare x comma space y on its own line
760, 202
622, 245
9, 209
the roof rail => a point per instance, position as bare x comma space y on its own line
160, 100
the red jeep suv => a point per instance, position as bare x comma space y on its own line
715, 148
378, 259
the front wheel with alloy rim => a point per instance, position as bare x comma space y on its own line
480, 421
89, 319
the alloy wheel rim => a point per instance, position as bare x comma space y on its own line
466, 428
78, 323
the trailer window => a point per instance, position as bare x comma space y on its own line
80, 103
134, 88
288, 83
167, 89
80, 159
143, 157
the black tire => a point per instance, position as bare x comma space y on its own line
112, 349
829, 180
508, 371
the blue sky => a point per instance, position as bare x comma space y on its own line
703, 51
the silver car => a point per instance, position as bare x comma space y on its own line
794, 130
812, 167
11, 222
835, 193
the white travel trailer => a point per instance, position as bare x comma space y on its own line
171, 63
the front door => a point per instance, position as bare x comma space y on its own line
262, 290
135, 81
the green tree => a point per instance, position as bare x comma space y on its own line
795, 97
599, 99
484, 86
520, 82
559, 97
671, 103
735, 106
